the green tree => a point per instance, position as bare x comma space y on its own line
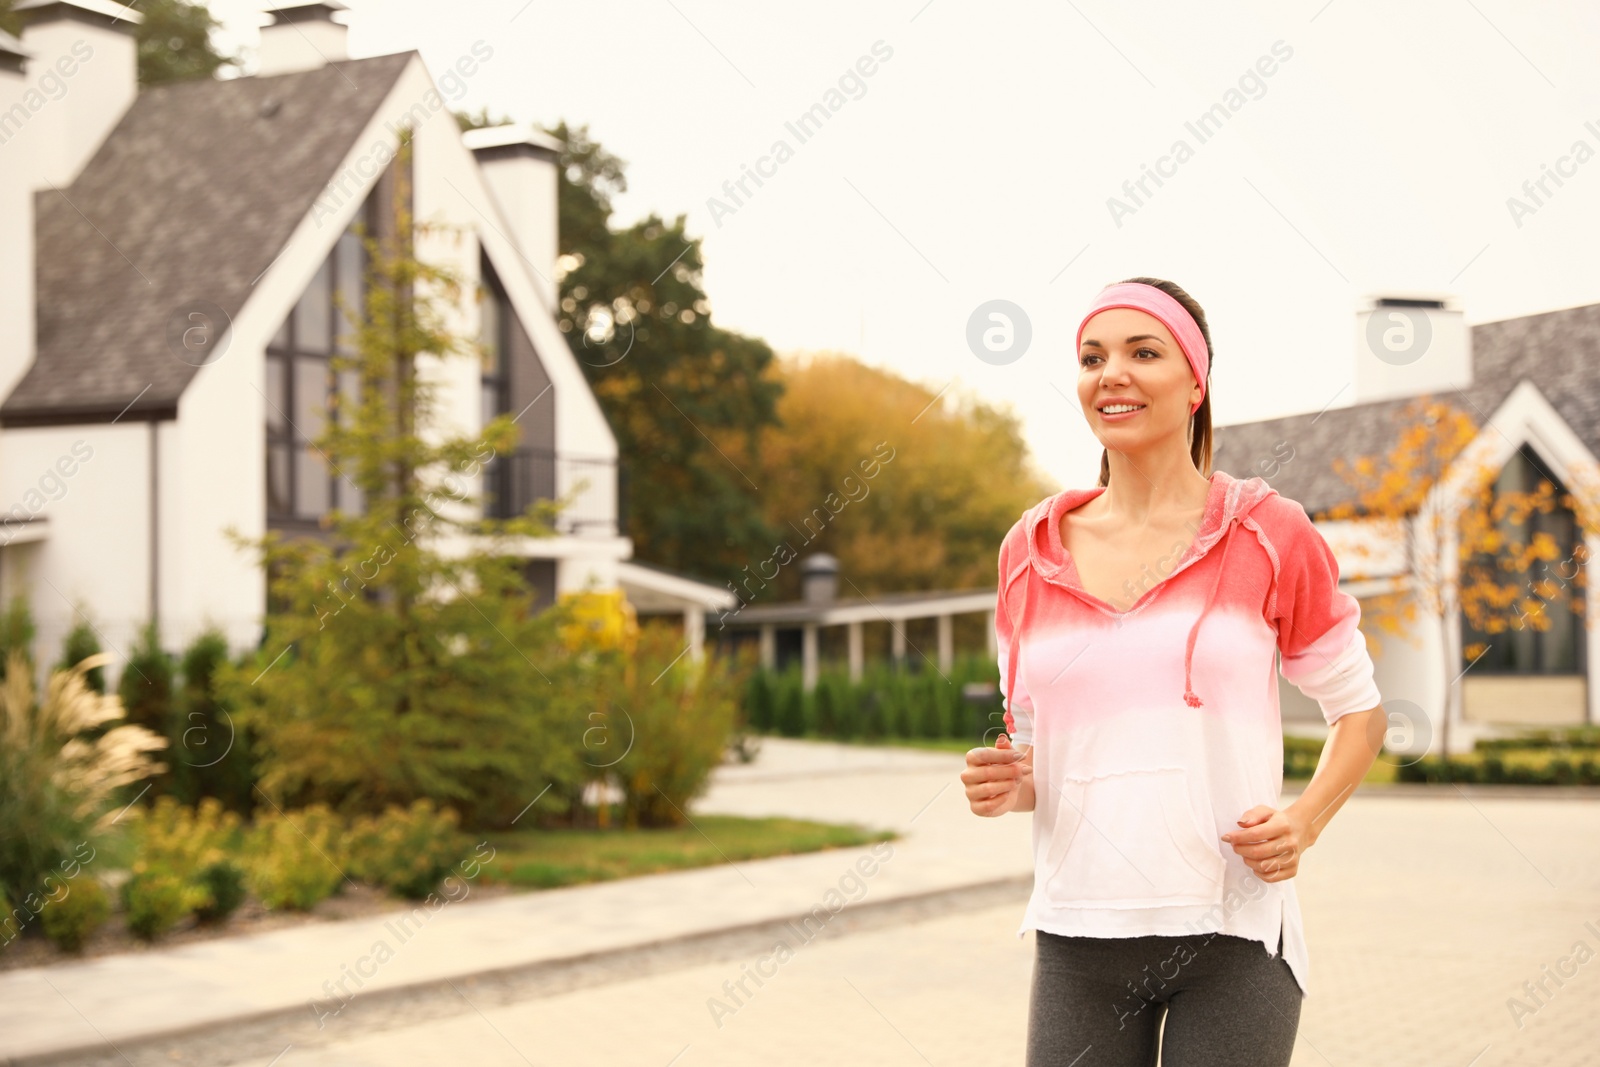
476, 120
823, 699
759, 701
591, 180
146, 683
211, 753
791, 708
175, 43
16, 632
81, 642
174, 40
412, 664
687, 400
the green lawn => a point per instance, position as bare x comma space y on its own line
544, 859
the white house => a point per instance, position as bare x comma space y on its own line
1531, 385
168, 260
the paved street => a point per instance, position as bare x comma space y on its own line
1424, 915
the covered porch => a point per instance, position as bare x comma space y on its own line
777, 628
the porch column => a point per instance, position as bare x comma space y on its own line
856, 655
994, 647
769, 646
947, 645
694, 628
808, 656
897, 641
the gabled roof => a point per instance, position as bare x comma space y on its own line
1558, 351
653, 588
191, 198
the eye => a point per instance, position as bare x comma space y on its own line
1083, 360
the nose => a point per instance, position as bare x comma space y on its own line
1114, 369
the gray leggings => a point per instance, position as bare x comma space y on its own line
1101, 1002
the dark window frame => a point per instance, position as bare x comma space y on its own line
498, 495
285, 353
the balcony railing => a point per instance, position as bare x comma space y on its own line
514, 480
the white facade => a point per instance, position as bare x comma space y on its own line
139, 524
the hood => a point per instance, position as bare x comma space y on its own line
1230, 501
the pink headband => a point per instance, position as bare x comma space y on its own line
1153, 301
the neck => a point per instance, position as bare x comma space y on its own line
1144, 485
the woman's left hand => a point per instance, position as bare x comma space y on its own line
1270, 842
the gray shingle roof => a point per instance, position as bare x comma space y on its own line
190, 198
1559, 351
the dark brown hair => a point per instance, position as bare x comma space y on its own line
1200, 421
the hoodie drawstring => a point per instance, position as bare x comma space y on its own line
1014, 650
1189, 696
1194, 631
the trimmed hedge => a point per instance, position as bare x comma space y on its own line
1502, 765
966, 704
1301, 755
1577, 737
905, 703
70, 921
1541, 757
155, 901
408, 851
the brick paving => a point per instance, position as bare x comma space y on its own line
1426, 912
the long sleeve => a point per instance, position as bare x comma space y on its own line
1017, 703
1322, 649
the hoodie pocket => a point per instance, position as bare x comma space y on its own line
1132, 840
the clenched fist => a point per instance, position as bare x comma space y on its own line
997, 781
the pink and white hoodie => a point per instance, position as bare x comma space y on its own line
1156, 727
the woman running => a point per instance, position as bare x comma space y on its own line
1137, 625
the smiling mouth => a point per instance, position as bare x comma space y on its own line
1121, 409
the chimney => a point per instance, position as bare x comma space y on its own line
819, 578
522, 167
84, 74
16, 218
1410, 343
301, 36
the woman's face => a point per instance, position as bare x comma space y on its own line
1127, 357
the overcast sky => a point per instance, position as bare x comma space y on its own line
975, 162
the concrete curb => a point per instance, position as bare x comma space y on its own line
261, 1036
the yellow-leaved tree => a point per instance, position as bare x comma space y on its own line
910, 487
1441, 511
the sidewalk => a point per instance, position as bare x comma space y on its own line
1444, 901
112, 1000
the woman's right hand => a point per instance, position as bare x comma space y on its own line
994, 777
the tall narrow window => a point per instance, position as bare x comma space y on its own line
1545, 588
500, 497
301, 386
